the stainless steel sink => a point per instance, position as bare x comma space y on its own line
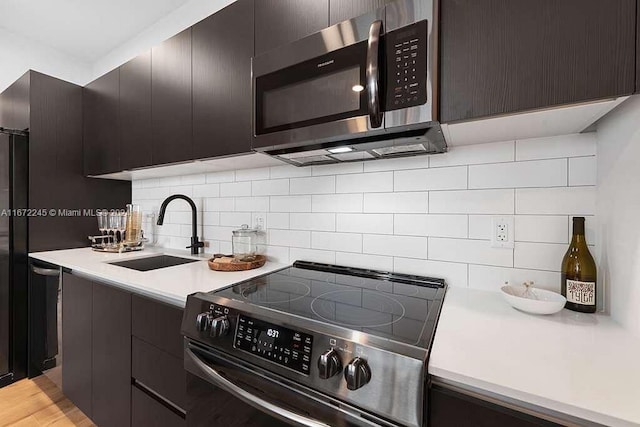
153, 262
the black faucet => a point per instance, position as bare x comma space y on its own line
195, 243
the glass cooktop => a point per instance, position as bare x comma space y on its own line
399, 307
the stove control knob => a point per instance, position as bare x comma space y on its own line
219, 327
357, 373
329, 364
203, 322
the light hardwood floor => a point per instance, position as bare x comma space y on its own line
37, 403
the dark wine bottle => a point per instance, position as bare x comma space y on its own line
579, 272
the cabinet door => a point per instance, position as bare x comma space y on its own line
101, 125
111, 356
638, 51
279, 22
171, 100
135, 112
222, 51
146, 411
505, 56
341, 10
76, 340
449, 408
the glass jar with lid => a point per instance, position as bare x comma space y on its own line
244, 243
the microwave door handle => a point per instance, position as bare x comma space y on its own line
373, 74
251, 399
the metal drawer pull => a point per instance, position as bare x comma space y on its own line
45, 271
249, 398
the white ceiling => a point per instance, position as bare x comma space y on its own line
84, 29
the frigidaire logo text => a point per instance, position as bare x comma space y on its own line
322, 64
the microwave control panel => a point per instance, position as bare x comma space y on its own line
406, 66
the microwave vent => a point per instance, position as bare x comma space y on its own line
394, 150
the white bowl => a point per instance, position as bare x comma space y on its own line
535, 301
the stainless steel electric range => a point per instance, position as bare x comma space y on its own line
312, 345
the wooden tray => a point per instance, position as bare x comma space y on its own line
235, 265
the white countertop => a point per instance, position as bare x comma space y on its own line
586, 366
171, 284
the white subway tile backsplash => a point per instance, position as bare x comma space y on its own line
582, 171
469, 251
235, 219
541, 228
235, 189
539, 256
425, 215
206, 190
493, 278
217, 177
417, 162
272, 187
402, 246
540, 173
495, 152
290, 203
376, 182
374, 262
313, 221
313, 255
417, 202
480, 227
431, 179
291, 238
252, 204
455, 274
252, 174
365, 223
345, 242
495, 202
337, 169
430, 225
313, 185
556, 201
556, 147
337, 203
289, 171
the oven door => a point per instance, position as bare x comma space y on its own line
223, 390
324, 87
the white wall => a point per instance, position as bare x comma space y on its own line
619, 211
422, 215
168, 26
18, 54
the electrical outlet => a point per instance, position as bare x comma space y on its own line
502, 232
260, 221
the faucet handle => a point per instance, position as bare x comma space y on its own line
195, 245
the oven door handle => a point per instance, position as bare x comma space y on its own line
373, 74
253, 400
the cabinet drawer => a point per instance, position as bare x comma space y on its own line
160, 371
158, 324
146, 411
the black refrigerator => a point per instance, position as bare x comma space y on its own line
14, 276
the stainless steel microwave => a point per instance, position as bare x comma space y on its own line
359, 90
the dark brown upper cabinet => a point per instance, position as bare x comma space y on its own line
279, 22
135, 112
171, 116
341, 10
506, 56
101, 124
222, 51
638, 50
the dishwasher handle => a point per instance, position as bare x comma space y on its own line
53, 272
253, 400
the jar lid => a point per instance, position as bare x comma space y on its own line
245, 231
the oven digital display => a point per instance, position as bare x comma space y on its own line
280, 345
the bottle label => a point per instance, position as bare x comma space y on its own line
581, 292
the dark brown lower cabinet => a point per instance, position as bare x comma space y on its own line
449, 408
76, 343
96, 343
147, 411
